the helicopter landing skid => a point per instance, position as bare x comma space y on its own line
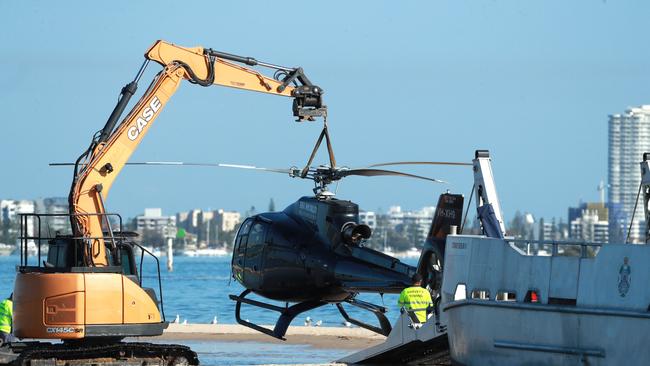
287, 314
379, 311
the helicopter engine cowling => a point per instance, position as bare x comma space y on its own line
352, 233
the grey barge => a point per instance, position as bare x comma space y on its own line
502, 301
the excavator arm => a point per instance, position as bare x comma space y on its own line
99, 165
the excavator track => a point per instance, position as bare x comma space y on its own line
122, 353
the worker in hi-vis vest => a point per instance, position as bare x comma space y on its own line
416, 297
6, 319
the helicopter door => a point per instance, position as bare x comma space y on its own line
254, 252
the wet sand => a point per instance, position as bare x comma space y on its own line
318, 337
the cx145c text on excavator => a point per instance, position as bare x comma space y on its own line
88, 291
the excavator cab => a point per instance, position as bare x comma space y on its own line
65, 252
68, 292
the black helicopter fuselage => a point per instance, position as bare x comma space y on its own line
311, 251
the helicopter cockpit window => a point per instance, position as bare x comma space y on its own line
256, 236
255, 244
242, 236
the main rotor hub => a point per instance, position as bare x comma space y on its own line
322, 177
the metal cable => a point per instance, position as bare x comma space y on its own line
471, 195
629, 230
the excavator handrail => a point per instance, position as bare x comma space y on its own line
143, 250
38, 237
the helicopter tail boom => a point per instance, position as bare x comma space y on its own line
449, 212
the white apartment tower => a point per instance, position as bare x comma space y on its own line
629, 138
153, 220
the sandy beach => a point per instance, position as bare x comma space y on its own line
318, 337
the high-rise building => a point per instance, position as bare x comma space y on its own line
552, 230
9, 217
154, 221
592, 224
54, 206
629, 138
209, 226
10, 209
417, 223
227, 220
368, 218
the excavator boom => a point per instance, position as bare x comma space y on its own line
112, 150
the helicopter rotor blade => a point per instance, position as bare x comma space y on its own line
421, 163
250, 167
62, 164
182, 163
290, 171
214, 165
147, 163
366, 172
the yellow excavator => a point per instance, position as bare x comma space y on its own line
88, 292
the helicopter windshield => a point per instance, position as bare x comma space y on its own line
242, 236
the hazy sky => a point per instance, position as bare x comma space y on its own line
533, 81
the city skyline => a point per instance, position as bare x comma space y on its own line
540, 107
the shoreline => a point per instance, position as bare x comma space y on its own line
398, 255
317, 337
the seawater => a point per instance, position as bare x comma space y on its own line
198, 288
213, 353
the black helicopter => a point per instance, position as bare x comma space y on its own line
312, 253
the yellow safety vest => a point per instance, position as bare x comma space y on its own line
416, 298
6, 316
